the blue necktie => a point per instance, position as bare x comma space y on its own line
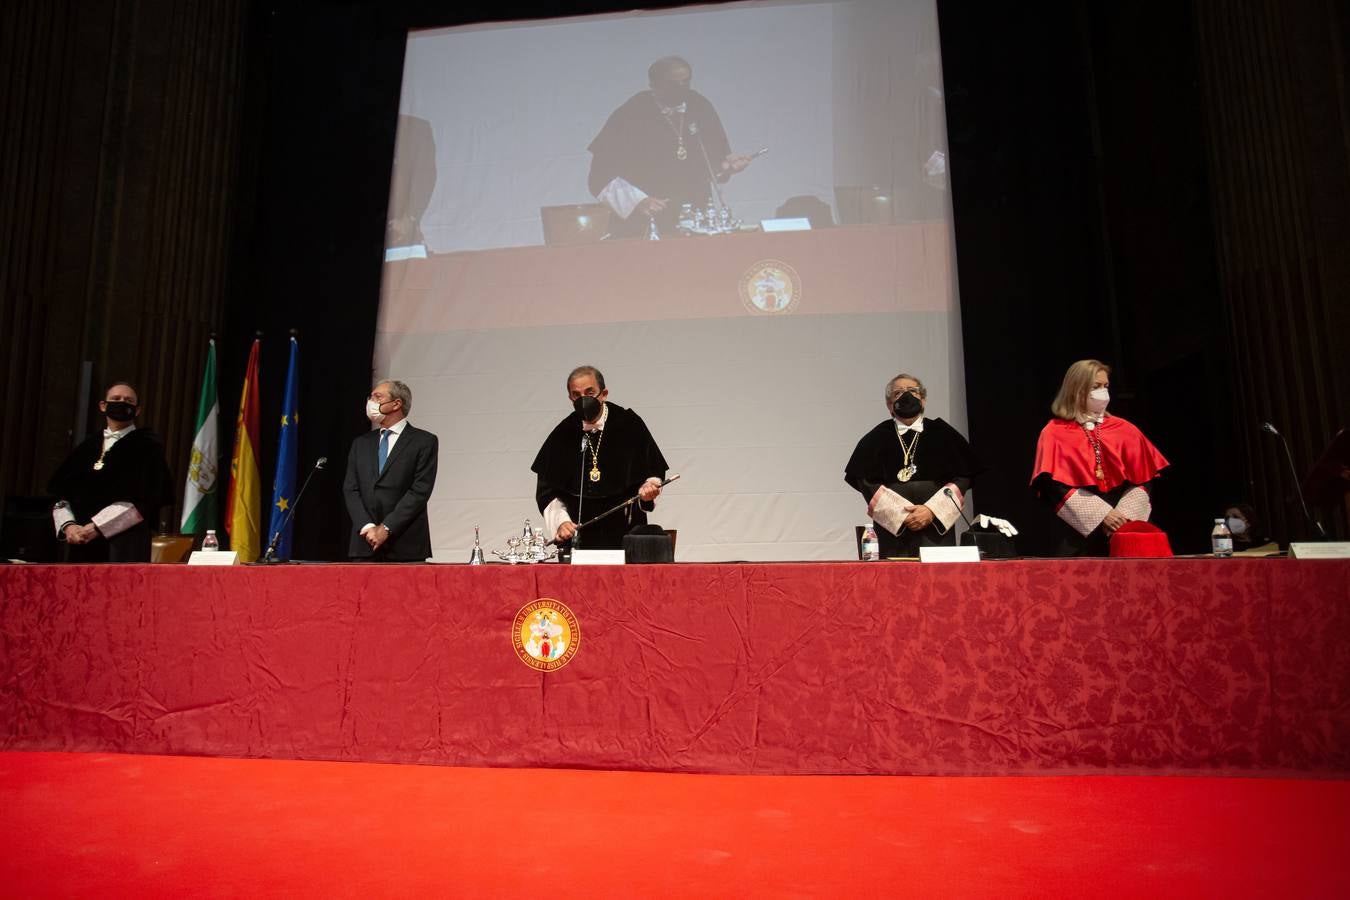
384, 448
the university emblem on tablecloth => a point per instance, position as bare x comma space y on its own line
770, 286
546, 635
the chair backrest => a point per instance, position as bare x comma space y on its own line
648, 544
170, 548
26, 530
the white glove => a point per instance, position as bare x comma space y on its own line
1003, 525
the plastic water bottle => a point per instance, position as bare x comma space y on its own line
1221, 539
871, 548
686, 223
210, 542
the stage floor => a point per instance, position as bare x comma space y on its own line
113, 825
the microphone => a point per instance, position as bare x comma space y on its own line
1293, 470
271, 555
950, 496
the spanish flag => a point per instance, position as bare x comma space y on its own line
243, 507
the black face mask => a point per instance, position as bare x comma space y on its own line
121, 411
588, 407
673, 94
906, 406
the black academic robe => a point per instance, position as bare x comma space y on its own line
134, 470
639, 144
627, 456
942, 456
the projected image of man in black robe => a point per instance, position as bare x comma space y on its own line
941, 459
619, 447
660, 149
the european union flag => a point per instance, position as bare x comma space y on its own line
288, 449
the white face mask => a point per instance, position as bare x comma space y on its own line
1098, 399
1236, 525
373, 412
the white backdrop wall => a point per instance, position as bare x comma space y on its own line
758, 413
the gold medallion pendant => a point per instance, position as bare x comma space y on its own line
907, 473
681, 153
595, 474
98, 465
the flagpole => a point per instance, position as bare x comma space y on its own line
200, 493
284, 497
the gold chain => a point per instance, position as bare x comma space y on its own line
595, 455
680, 152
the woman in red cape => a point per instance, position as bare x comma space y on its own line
1094, 469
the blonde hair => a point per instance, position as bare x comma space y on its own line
1071, 401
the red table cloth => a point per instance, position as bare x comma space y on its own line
999, 667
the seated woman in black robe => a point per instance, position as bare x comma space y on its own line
913, 471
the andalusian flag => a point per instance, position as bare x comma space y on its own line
243, 508
200, 507
288, 448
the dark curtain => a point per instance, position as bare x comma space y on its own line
1275, 77
120, 129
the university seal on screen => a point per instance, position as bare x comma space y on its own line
546, 635
770, 286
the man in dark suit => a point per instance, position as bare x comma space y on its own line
390, 474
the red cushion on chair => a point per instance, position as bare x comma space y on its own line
1135, 539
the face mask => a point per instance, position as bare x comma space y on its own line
1236, 525
588, 407
673, 94
373, 412
121, 411
906, 406
1098, 399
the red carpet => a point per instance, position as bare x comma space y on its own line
104, 825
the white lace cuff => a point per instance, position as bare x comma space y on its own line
554, 515
946, 509
61, 517
1135, 505
621, 196
116, 518
1083, 512
889, 510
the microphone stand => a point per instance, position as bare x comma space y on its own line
948, 493
270, 557
581, 488
1298, 486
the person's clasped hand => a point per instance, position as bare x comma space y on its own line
919, 518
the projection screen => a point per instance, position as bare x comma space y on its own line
753, 329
